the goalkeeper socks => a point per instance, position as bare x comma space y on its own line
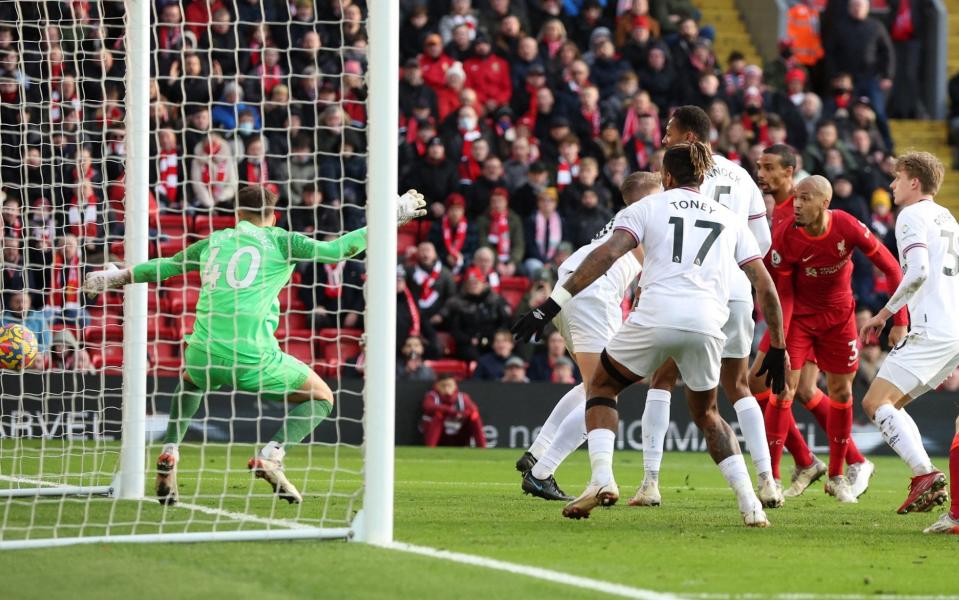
571, 433
186, 401
601, 455
896, 430
753, 426
302, 420
954, 478
655, 426
819, 407
572, 399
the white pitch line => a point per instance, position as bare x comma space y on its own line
593, 585
813, 596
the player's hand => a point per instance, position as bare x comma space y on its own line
99, 281
874, 327
896, 334
531, 324
411, 206
775, 365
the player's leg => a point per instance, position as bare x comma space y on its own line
655, 426
283, 375
699, 364
839, 431
778, 420
818, 402
949, 521
809, 469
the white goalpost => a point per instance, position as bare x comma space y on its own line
78, 435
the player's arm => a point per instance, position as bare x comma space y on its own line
758, 224
917, 271
883, 259
152, 271
775, 364
593, 266
346, 246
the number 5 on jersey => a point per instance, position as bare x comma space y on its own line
211, 271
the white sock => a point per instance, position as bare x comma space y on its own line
171, 449
655, 425
273, 451
753, 426
601, 455
912, 426
569, 437
571, 400
734, 470
896, 430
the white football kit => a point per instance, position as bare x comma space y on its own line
693, 248
589, 319
730, 185
930, 352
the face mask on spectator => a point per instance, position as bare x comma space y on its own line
467, 123
246, 127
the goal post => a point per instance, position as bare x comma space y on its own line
76, 447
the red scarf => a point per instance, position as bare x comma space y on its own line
470, 170
902, 27
414, 312
566, 173
169, 179
271, 76
642, 155
212, 149
15, 229
466, 151
426, 279
549, 233
66, 282
82, 215
593, 119
87, 175
499, 234
334, 280
454, 241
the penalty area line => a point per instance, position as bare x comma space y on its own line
586, 583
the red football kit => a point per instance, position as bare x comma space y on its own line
782, 213
816, 272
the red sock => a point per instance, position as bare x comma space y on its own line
954, 478
763, 399
839, 429
796, 444
819, 407
778, 419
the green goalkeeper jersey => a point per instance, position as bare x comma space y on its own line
242, 271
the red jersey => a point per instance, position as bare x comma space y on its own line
782, 213
820, 267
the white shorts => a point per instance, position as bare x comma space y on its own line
738, 330
591, 318
919, 364
642, 350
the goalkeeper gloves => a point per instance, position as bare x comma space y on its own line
775, 364
99, 281
411, 205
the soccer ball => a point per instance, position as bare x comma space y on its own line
18, 347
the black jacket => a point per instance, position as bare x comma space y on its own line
860, 48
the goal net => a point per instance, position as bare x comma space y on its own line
101, 167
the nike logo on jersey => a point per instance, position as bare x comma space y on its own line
808, 258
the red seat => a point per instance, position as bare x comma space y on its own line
106, 357
98, 334
290, 298
512, 289
191, 278
204, 225
457, 368
301, 349
174, 225
327, 369
339, 344
181, 299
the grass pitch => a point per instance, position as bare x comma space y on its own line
469, 501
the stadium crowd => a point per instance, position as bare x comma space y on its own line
519, 120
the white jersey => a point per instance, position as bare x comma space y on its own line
623, 271
730, 185
932, 309
693, 248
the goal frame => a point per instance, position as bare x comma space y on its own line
373, 523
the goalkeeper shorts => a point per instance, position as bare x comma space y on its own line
277, 373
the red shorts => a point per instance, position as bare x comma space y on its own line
830, 342
764, 348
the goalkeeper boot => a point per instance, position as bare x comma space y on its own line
771, 493
647, 494
593, 496
803, 478
166, 479
271, 471
526, 462
547, 489
946, 524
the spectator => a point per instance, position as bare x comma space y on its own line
860, 45
489, 75
225, 113
461, 13
492, 365
515, 371
516, 169
434, 63
607, 67
448, 97
334, 292
567, 171
588, 219
564, 371
414, 90
16, 276
450, 417
474, 315
827, 138
542, 364
429, 281
213, 175
65, 302
490, 178
66, 353
413, 32
523, 201
434, 176
18, 310
501, 230
254, 168
409, 321
168, 173
454, 237
846, 199
643, 143
544, 232
484, 261
410, 365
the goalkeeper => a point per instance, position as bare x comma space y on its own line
242, 271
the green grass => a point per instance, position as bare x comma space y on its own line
469, 501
